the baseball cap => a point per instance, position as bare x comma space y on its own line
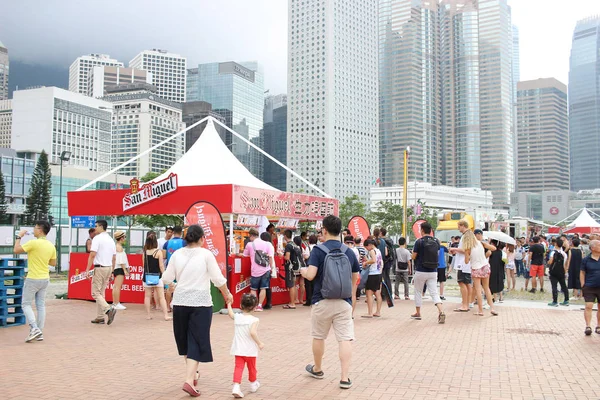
478, 231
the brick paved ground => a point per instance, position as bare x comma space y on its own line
522, 354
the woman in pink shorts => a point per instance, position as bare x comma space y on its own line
480, 269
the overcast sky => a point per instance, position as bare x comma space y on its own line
58, 31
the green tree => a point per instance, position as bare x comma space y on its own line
39, 199
387, 215
350, 207
156, 221
3, 205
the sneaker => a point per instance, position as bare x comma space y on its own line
254, 386
259, 308
346, 384
119, 306
267, 307
33, 334
532, 291
311, 371
40, 338
541, 290
442, 297
237, 391
111, 315
565, 303
471, 305
98, 321
553, 304
486, 306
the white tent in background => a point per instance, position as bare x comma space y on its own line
584, 223
210, 162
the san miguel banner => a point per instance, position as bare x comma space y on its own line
209, 218
282, 204
416, 228
149, 191
359, 227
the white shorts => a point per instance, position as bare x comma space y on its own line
160, 283
510, 266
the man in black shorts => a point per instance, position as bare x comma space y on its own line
590, 283
291, 268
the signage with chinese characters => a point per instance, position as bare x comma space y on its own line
282, 204
83, 222
149, 191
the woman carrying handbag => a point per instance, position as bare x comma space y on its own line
153, 268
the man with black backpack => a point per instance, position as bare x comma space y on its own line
557, 272
426, 257
334, 269
293, 261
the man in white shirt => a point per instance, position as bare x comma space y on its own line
163, 240
102, 257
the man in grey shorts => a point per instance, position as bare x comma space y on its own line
403, 268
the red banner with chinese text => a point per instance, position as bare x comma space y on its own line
359, 227
282, 204
209, 218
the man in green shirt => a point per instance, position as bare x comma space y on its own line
40, 254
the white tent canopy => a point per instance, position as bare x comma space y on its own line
584, 220
210, 162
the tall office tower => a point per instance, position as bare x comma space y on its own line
140, 120
194, 111
168, 72
5, 123
275, 140
584, 105
80, 70
516, 77
333, 95
409, 91
476, 54
103, 76
57, 120
3, 72
236, 91
543, 136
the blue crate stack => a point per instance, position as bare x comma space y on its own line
12, 278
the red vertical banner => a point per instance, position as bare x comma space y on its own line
416, 228
209, 218
359, 227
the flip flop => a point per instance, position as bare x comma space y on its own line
416, 317
494, 313
193, 392
379, 316
460, 310
366, 316
288, 307
441, 318
478, 314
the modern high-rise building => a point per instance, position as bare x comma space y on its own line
477, 95
194, 111
516, 77
142, 119
57, 120
5, 123
101, 77
333, 95
4, 69
543, 136
236, 91
274, 135
168, 72
409, 91
584, 105
80, 69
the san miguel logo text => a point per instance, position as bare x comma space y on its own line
149, 191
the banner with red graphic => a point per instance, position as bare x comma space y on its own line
282, 204
209, 218
416, 228
359, 227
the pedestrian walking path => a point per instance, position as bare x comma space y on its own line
525, 353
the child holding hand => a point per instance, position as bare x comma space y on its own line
246, 344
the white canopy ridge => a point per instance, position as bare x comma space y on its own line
584, 220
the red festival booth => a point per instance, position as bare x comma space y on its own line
206, 185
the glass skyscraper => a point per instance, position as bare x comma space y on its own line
235, 91
584, 105
409, 91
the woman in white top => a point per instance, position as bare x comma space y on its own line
374, 262
121, 270
475, 254
194, 268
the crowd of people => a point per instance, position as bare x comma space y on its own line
328, 271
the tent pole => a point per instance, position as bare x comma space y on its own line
270, 157
142, 154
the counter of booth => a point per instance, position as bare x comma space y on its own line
132, 290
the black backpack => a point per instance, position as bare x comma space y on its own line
296, 258
391, 257
431, 251
557, 268
260, 257
337, 273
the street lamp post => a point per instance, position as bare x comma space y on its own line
405, 191
64, 156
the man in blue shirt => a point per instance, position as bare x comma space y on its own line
590, 283
326, 313
441, 272
171, 246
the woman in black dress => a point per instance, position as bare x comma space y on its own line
497, 270
574, 267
